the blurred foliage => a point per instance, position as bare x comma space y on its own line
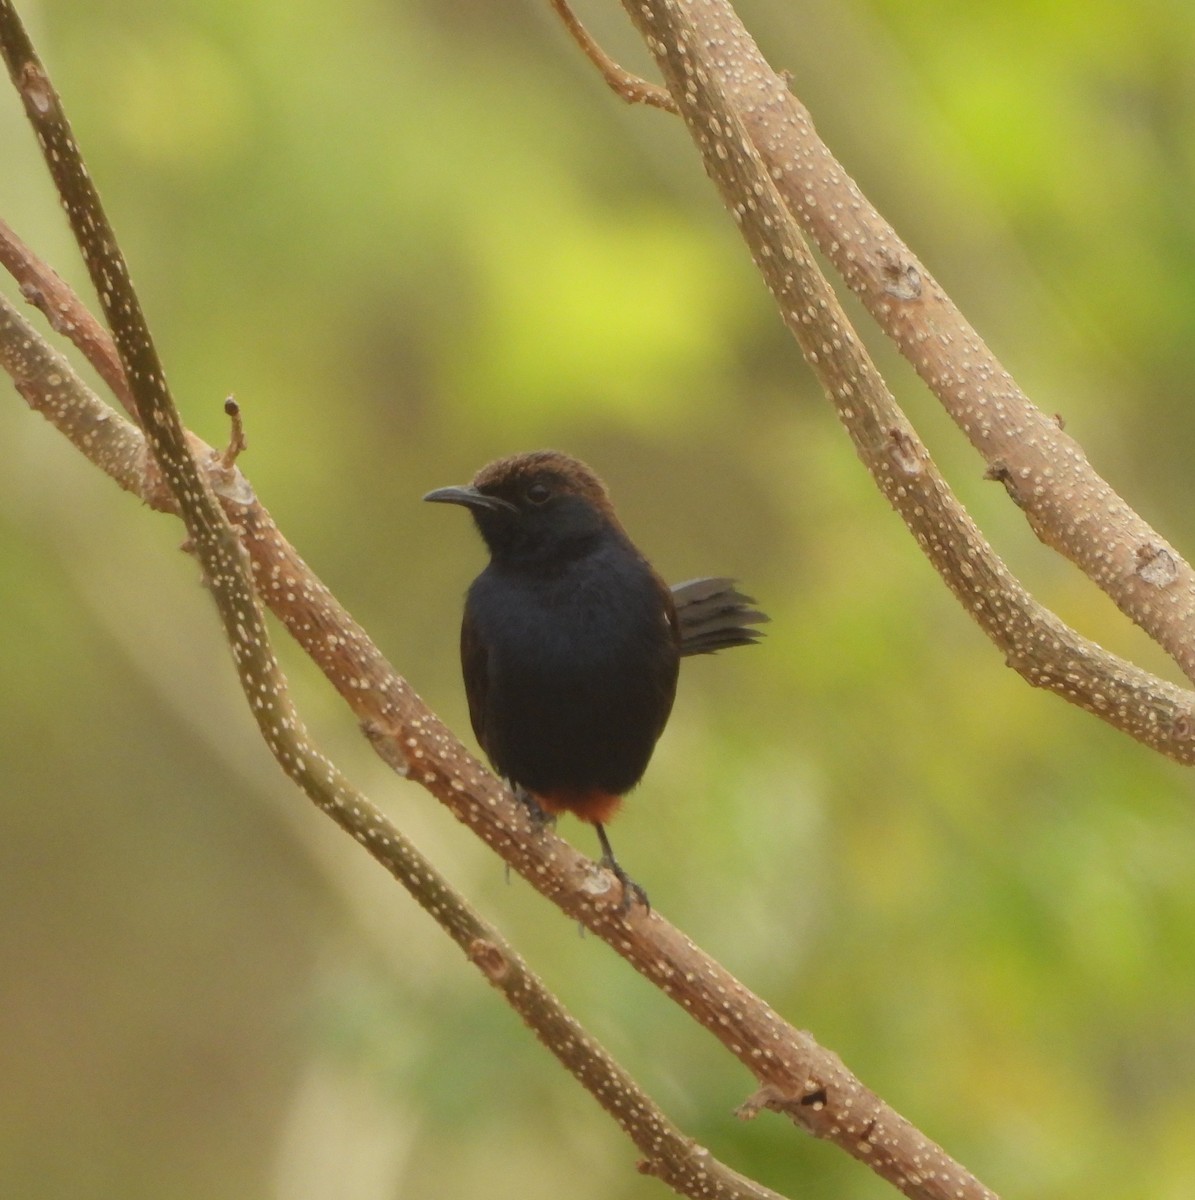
412, 237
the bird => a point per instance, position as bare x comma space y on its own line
571, 642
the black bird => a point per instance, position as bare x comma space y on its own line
571, 643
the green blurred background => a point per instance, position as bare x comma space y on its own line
413, 236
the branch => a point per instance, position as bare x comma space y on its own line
630, 87
686, 1167
1068, 505
49, 383
118, 447
793, 1071
1036, 643
44, 288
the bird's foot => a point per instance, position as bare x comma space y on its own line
540, 820
631, 891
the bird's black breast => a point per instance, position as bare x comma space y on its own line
571, 673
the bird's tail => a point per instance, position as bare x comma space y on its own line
713, 614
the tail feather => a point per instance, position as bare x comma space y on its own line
712, 614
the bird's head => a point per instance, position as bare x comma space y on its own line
538, 506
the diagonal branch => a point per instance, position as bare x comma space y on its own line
47, 290
630, 87
118, 447
796, 1075
1041, 647
794, 1072
688, 1168
1068, 504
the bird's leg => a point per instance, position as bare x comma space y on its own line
629, 886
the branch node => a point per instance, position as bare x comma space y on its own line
489, 959
35, 88
386, 740
864, 1143
902, 279
904, 452
153, 490
769, 1097
1000, 472
1156, 565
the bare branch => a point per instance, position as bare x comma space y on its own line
43, 287
49, 383
787, 1061
1036, 643
796, 1075
630, 87
118, 447
1068, 505
686, 1167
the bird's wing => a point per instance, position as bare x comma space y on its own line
713, 614
475, 669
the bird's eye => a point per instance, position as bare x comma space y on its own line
537, 493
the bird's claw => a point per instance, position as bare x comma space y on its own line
630, 889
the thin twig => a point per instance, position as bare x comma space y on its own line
237, 444
630, 87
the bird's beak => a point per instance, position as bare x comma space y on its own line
470, 497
